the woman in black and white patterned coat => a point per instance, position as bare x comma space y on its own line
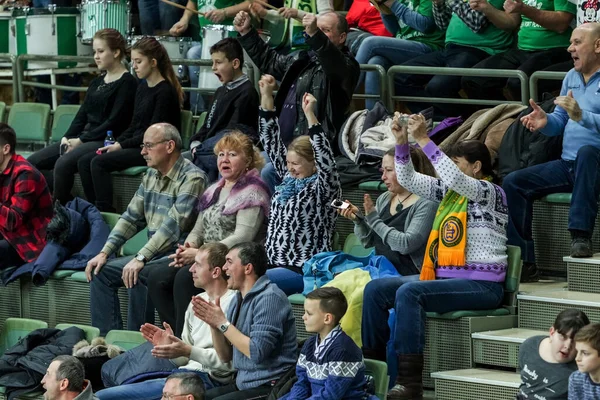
301, 220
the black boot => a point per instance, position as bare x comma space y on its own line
409, 382
529, 273
581, 245
372, 354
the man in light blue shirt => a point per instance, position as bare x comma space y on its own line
577, 118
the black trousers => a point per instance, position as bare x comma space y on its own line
95, 171
479, 87
8, 255
171, 290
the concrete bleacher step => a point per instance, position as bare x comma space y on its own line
476, 384
543, 285
539, 310
501, 348
583, 274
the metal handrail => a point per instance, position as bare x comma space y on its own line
383, 85
14, 82
488, 73
541, 75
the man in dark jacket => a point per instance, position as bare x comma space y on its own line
328, 71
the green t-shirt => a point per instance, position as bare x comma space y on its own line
207, 5
435, 39
490, 39
534, 37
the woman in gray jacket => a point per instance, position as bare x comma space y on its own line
398, 225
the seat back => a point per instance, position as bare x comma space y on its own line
17, 328
91, 332
63, 117
513, 277
30, 121
187, 123
133, 245
2, 110
201, 119
110, 218
353, 246
379, 371
125, 339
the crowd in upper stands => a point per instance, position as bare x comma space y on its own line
231, 230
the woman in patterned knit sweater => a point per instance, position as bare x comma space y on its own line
231, 211
465, 259
301, 222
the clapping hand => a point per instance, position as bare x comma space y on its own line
155, 335
535, 120
570, 105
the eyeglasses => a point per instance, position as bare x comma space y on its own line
172, 396
150, 146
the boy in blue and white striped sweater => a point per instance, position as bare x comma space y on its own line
331, 365
585, 383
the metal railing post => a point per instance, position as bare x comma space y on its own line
383, 85
540, 75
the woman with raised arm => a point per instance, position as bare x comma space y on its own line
301, 221
465, 258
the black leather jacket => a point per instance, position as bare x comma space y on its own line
327, 72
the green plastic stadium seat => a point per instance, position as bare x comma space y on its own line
187, 127
378, 370
133, 245
110, 218
63, 117
353, 246
30, 121
125, 339
375, 186
2, 110
15, 329
133, 171
558, 198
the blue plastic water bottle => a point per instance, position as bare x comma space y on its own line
110, 140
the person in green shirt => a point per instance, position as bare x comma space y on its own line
216, 12
411, 21
542, 41
470, 38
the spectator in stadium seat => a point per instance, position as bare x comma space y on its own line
576, 117
542, 39
470, 38
165, 203
186, 385
411, 21
194, 352
65, 380
546, 362
398, 224
108, 106
584, 384
465, 260
231, 211
25, 205
257, 333
329, 72
301, 221
364, 20
158, 99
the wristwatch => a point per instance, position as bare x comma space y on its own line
140, 257
223, 327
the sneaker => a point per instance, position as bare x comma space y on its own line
529, 273
581, 247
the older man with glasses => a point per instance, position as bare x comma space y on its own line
183, 386
165, 203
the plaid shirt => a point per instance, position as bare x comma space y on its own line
166, 204
25, 208
475, 20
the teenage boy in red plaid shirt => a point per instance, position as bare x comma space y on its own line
25, 205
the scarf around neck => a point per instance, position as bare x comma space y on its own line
290, 187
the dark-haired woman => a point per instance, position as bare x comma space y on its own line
465, 258
108, 106
158, 99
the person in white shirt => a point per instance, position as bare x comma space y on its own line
194, 351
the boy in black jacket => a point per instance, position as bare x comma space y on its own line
235, 103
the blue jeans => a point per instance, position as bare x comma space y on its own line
147, 390
522, 187
288, 281
104, 300
412, 299
269, 175
453, 56
156, 15
385, 51
197, 103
